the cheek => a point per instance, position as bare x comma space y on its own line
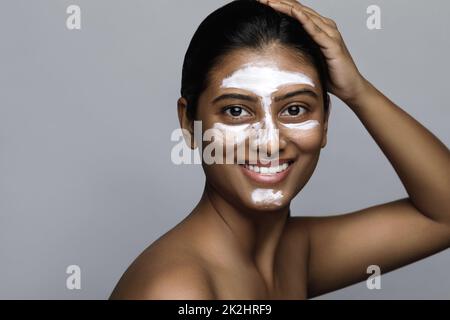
306, 140
231, 139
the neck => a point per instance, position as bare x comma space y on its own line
253, 235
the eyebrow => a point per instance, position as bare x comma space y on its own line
235, 96
253, 99
296, 93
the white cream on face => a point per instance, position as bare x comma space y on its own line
267, 196
234, 134
263, 80
305, 125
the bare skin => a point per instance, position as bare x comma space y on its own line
230, 248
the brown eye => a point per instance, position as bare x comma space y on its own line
236, 111
293, 111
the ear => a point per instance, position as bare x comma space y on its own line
325, 121
186, 124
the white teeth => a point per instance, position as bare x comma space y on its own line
267, 170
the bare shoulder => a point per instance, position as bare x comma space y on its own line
165, 272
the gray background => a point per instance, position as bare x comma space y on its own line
86, 118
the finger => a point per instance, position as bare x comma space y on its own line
330, 30
311, 23
290, 8
326, 20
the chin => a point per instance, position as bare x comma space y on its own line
267, 205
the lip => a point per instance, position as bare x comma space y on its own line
267, 178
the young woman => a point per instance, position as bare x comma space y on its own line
269, 66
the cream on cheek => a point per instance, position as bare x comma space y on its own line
303, 127
233, 134
306, 135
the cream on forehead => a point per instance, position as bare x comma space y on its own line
264, 80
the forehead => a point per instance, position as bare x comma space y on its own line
283, 60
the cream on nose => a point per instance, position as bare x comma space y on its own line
267, 135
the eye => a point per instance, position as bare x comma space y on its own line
294, 110
236, 111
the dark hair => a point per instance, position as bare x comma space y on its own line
238, 25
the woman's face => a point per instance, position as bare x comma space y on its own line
271, 106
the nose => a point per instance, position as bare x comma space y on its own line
276, 144
269, 139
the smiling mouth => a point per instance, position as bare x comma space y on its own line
267, 173
262, 169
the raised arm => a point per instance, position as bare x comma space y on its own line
392, 234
